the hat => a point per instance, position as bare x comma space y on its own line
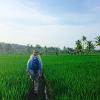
35, 51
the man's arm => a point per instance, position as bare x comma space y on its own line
28, 64
40, 65
40, 60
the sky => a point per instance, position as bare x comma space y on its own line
49, 22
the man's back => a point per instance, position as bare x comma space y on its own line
34, 64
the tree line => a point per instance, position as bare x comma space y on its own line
82, 46
7, 48
87, 46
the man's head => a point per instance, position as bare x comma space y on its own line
35, 52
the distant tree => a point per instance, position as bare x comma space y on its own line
46, 50
84, 39
65, 50
8, 48
70, 51
57, 51
97, 41
29, 48
78, 46
1, 47
90, 46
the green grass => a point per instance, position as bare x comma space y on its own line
14, 83
70, 77
73, 77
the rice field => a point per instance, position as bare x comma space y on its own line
73, 77
69, 77
14, 83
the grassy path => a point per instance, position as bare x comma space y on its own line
41, 95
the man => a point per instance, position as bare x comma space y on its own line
34, 65
34, 69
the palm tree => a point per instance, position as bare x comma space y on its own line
84, 39
78, 46
90, 46
97, 41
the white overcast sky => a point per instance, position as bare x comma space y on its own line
49, 22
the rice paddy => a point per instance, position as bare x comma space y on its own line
70, 77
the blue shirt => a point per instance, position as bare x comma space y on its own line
31, 61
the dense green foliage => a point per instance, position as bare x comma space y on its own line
73, 77
14, 83
70, 77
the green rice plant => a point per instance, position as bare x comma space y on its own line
14, 83
70, 77
73, 77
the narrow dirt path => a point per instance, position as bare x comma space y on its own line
42, 95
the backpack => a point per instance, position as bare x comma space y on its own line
35, 63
